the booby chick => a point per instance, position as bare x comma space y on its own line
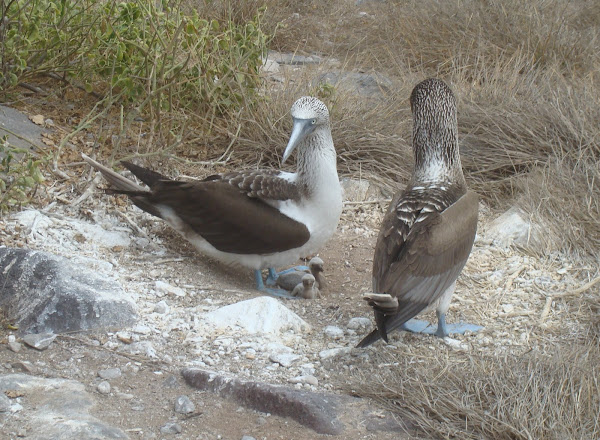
260, 218
288, 279
307, 288
427, 234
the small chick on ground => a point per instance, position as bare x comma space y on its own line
289, 280
307, 289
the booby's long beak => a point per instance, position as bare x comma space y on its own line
302, 128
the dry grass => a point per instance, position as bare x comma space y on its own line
534, 396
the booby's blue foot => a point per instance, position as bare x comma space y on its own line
260, 285
273, 274
425, 327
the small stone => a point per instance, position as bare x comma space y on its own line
124, 396
163, 288
171, 428
183, 405
284, 359
247, 437
333, 332
334, 352
110, 373
40, 341
25, 366
22, 432
142, 330
103, 387
161, 307
308, 379
360, 323
14, 346
508, 308
4, 403
171, 381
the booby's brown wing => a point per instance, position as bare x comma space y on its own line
227, 217
417, 266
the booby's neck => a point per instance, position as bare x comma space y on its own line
437, 158
316, 161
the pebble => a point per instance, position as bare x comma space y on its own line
124, 396
284, 359
14, 346
171, 428
163, 288
333, 352
103, 387
40, 341
183, 405
359, 323
308, 379
333, 332
4, 403
25, 366
161, 307
247, 437
110, 373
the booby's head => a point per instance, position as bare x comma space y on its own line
315, 264
309, 114
308, 281
435, 132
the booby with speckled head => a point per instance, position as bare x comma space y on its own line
427, 234
260, 218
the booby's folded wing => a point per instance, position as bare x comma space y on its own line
427, 262
263, 184
226, 217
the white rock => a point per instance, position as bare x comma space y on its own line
355, 190
284, 359
333, 332
454, 343
334, 352
163, 288
161, 307
103, 387
262, 315
360, 323
514, 227
309, 379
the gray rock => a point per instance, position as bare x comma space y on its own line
171, 381
171, 428
103, 387
161, 307
294, 59
308, 379
360, 323
110, 373
334, 352
183, 405
45, 293
58, 409
39, 341
14, 346
19, 124
143, 347
333, 332
4, 403
247, 437
314, 410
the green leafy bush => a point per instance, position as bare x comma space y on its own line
20, 175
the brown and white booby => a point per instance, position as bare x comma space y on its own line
428, 232
307, 288
288, 279
260, 218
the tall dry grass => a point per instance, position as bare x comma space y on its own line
533, 396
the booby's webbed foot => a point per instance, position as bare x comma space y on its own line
260, 285
425, 327
273, 274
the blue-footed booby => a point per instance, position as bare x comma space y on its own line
306, 288
427, 234
260, 218
288, 279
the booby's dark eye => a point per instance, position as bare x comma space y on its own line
313, 122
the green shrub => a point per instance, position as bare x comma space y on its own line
20, 175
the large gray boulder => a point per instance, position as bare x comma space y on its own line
45, 293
